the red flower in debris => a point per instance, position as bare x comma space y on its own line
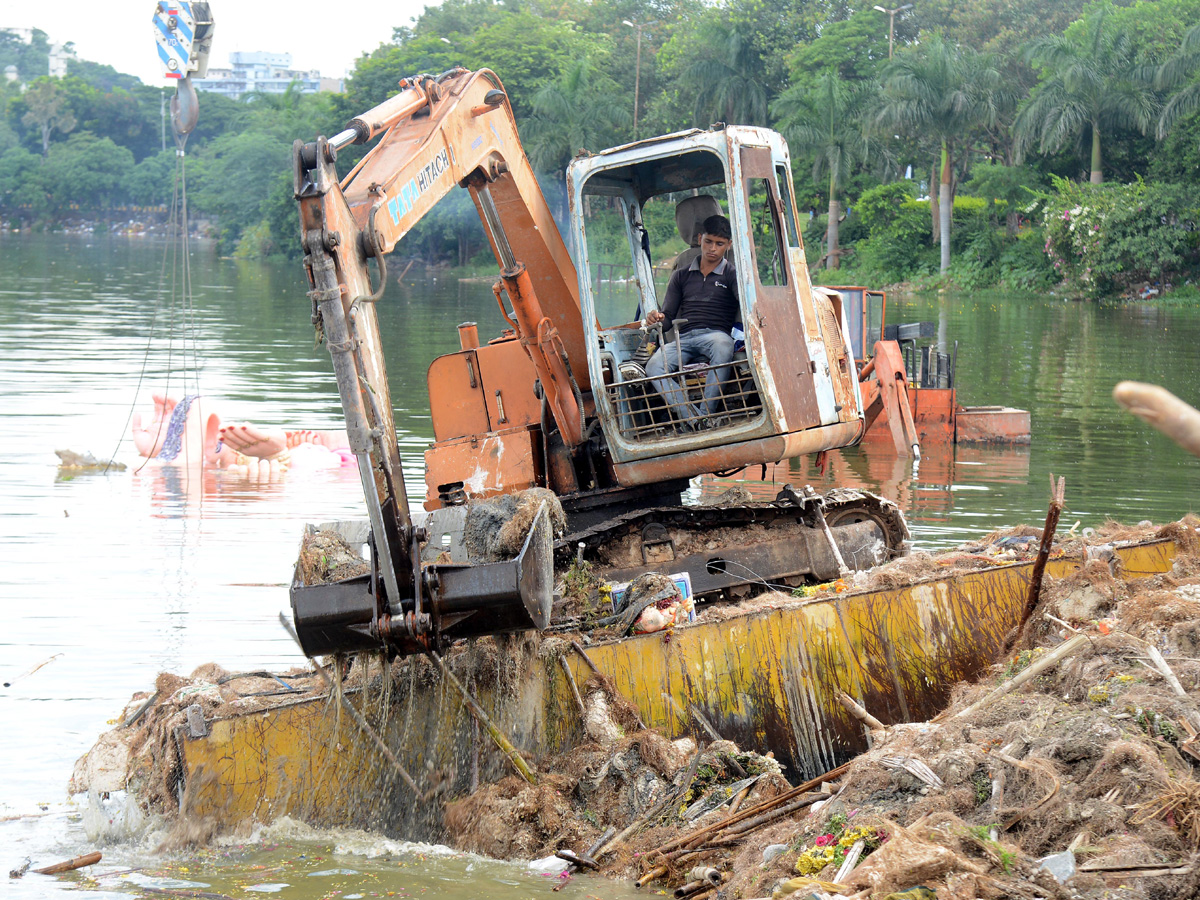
825, 840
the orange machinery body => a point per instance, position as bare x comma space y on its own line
797, 391
932, 414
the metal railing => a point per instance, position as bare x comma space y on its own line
645, 414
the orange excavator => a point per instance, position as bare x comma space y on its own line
559, 398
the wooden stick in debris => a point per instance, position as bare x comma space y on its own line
1144, 869
592, 855
587, 659
1039, 564
574, 688
176, 892
1165, 670
1063, 651
703, 722
505, 745
656, 872
757, 810
1057, 621
1159, 407
88, 859
771, 815
141, 710
739, 798
579, 861
859, 712
851, 860
363, 725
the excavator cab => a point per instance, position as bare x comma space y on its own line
780, 397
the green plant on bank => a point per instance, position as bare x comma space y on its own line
983, 786
1155, 724
983, 835
580, 584
1104, 239
1021, 662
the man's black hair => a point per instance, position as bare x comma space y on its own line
718, 227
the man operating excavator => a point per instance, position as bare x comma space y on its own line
703, 298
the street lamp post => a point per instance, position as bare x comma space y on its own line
892, 23
637, 68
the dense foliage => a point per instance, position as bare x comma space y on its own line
959, 156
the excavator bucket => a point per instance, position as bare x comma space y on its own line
351, 614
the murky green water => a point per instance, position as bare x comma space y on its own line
132, 573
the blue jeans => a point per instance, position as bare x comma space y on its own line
709, 346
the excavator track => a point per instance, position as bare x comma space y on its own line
735, 551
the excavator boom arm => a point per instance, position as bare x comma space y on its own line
457, 129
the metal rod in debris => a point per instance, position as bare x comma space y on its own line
363, 725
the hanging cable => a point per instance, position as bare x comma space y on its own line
175, 275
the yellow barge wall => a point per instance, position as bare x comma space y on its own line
767, 680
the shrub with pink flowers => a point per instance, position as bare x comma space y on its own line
1106, 239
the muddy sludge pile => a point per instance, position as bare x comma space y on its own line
1068, 770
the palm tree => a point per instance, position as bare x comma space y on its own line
942, 91
826, 121
727, 73
582, 109
1172, 74
1091, 81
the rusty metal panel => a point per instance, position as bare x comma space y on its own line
503, 462
456, 397
463, 391
992, 425
505, 368
776, 310
687, 463
933, 411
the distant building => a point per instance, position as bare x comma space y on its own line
59, 55
24, 35
269, 73
332, 85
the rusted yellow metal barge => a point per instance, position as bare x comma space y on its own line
767, 679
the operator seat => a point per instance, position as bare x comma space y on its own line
690, 214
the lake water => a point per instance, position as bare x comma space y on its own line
123, 575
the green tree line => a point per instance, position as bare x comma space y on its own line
964, 150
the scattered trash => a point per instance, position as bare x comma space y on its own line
772, 851
1060, 865
85, 462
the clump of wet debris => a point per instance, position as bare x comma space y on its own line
140, 754
1068, 770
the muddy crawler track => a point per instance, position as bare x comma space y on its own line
620, 536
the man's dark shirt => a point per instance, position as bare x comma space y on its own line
706, 302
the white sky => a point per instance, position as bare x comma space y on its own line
328, 36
